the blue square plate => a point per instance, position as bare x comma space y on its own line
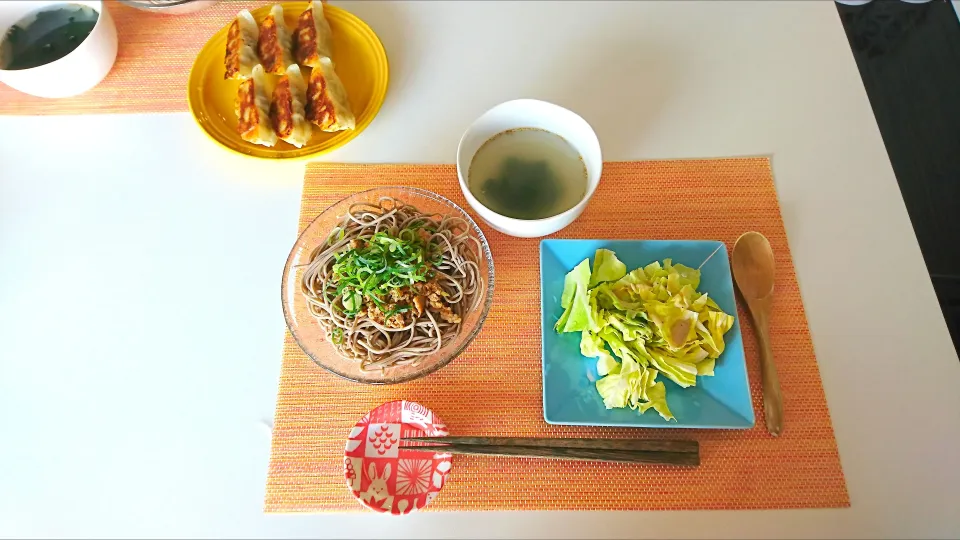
569, 394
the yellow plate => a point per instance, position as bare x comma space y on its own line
360, 62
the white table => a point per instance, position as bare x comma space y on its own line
140, 325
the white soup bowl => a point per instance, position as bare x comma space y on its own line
530, 113
80, 70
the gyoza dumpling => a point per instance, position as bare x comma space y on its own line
275, 45
327, 103
313, 39
241, 53
287, 111
253, 110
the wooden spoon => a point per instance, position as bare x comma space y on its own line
753, 269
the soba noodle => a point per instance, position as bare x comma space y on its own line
376, 345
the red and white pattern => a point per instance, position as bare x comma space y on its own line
385, 477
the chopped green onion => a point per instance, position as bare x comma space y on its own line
398, 309
382, 263
352, 300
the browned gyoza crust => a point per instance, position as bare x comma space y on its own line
231, 60
320, 108
247, 113
281, 111
306, 39
271, 53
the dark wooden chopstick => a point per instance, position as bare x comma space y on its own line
628, 451
611, 444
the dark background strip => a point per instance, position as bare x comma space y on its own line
909, 59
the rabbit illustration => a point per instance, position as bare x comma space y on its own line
377, 490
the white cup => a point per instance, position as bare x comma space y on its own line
76, 72
530, 113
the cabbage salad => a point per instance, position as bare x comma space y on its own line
640, 325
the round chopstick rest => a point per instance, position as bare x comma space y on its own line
382, 475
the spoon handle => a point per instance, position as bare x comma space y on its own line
772, 398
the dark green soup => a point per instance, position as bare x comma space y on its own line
46, 35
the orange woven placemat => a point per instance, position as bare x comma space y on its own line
154, 58
494, 387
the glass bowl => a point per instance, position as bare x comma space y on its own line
312, 338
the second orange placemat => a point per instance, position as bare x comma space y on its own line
494, 387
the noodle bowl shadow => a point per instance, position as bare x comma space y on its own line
311, 336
